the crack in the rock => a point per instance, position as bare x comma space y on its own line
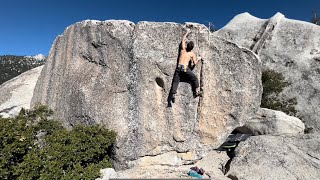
161, 70
6, 110
198, 111
233, 177
231, 155
119, 92
265, 34
98, 44
313, 156
317, 59
89, 59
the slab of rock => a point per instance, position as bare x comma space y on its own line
289, 47
277, 157
213, 165
119, 74
271, 122
17, 92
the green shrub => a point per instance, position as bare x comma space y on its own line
33, 147
16, 140
40, 112
273, 84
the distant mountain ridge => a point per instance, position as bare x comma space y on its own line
12, 66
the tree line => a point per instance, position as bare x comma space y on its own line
315, 18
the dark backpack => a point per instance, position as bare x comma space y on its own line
199, 171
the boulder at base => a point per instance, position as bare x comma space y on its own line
271, 122
277, 157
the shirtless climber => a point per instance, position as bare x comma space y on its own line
182, 69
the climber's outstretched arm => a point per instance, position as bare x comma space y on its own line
184, 39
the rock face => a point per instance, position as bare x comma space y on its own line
271, 122
119, 74
287, 46
17, 92
277, 157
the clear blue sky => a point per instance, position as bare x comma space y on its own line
29, 27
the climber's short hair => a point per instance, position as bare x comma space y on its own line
190, 46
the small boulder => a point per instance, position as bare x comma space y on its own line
107, 173
272, 122
277, 157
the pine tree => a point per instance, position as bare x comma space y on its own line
315, 18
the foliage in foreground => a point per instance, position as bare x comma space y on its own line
33, 147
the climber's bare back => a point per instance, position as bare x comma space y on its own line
186, 56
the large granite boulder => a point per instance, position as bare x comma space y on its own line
277, 157
271, 122
17, 92
118, 74
289, 47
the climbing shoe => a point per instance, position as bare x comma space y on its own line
196, 94
173, 98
